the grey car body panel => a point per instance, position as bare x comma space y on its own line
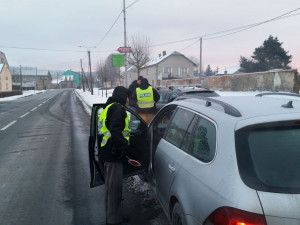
202, 187
288, 205
281, 221
168, 160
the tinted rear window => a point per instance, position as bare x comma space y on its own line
204, 94
269, 156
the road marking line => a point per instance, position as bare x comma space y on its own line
40, 104
34, 108
24, 115
8, 125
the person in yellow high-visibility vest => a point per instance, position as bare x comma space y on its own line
113, 127
146, 96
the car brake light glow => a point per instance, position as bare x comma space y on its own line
232, 216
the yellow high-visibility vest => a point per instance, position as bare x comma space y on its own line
104, 130
145, 98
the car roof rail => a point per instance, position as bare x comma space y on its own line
277, 93
228, 109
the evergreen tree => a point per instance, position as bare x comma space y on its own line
269, 56
208, 71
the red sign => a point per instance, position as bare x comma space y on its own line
124, 49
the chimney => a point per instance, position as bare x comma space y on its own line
225, 72
164, 53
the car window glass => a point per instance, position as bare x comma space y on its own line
178, 126
204, 140
134, 122
188, 137
166, 98
162, 96
99, 125
160, 126
268, 156
173, 96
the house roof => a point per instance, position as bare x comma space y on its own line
157, 60
69, 73
230, 70
74, 74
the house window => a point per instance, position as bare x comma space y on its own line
182, 71
6, 86
167, 69
0, 86
6, 78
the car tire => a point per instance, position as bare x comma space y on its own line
178, 215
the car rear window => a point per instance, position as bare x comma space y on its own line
269, 156
204, 93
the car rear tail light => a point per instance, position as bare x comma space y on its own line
232, 216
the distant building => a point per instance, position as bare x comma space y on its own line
5, 78
5, 75
165, 67
230, 71
70, 79
30, 78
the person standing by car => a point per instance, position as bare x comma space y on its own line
115, 133
132, 87
146, 96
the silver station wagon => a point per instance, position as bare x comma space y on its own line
224, 160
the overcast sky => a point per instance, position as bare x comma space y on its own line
29, 26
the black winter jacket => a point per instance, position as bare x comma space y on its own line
144, 85
115, 122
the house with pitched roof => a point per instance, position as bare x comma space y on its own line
165, 67
5, 78
5, 75
30, 78
70, 79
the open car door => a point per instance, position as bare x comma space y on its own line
138, 144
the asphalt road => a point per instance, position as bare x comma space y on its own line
44, 171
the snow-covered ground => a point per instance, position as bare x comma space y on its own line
25, 94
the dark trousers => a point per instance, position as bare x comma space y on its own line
113, 191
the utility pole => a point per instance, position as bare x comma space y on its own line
90, 67
82, 78
125, 44
35, 79
21, 80
89, 53
57, 80
200, 64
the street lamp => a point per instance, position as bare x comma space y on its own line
89, 55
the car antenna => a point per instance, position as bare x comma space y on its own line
288, 105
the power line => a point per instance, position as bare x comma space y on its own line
232, 31
132, 4
109, 29
42, 49
236, 30
115, 23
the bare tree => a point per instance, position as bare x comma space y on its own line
112, 72
140, 55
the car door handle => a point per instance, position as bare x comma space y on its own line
171, 168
